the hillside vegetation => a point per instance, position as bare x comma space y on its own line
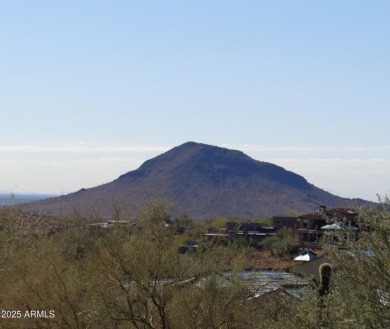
131, 276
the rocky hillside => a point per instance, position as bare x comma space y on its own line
201, 181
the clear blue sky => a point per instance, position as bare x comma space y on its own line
91, 89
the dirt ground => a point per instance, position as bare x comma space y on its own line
264, 260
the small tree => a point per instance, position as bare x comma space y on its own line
363, 269
282, 244
359, 292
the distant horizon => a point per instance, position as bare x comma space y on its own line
7, 199
10, 194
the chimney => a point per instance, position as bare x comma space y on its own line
322, 210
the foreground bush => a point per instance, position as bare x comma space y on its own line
132, 277
124, 277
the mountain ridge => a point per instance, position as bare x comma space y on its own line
203, 181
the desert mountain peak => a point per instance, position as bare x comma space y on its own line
203, 181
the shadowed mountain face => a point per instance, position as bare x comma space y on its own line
201, 181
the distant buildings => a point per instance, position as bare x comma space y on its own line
309, 227
253, 233
279, 222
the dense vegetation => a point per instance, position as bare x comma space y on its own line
131, 276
